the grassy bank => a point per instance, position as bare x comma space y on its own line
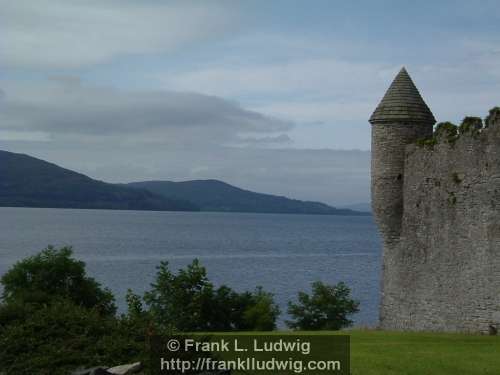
404, 353
376, 352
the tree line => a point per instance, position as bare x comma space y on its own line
54, 317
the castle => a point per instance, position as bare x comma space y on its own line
436, 201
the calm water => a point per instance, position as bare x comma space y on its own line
282, 253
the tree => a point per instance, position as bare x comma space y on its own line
189, 302
181, 301
327, 308
54, 318
247, 311
53, 274
262, 312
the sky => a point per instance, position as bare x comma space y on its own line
272, 96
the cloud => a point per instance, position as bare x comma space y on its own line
332, 90
63, 107
72, 34
329, 99
266, 141
322, 111
326, 84
24, 136
308, 77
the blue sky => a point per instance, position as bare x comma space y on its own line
202, 89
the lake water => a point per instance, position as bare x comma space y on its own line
282, 253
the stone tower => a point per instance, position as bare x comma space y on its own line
437, 206
401, 118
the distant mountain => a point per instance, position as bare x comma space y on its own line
29, 182
363, 207
214, 195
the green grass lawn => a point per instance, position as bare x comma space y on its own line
404, 353
376, 352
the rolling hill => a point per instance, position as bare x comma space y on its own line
26, 181
214, 195
29, 182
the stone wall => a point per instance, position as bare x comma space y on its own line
442, 273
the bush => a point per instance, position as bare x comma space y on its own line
60, 337
54, 318
189, 302
261, 312
471, 125
52, 274
430, 142
446, 131
493, 115
327, 309
182, 300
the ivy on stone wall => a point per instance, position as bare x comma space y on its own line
449, 133
471, 125
494, 114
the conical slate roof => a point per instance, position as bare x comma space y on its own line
402, 103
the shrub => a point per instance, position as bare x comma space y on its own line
327, 308
182, 300
493, 115
52, 274
446, 131
471, 125
189, 302
261, 313
60, 337
54, 318
430, 142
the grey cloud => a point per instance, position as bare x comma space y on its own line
64, 108
66, 80
263, 141
71, 33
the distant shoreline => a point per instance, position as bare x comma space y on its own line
355, 213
